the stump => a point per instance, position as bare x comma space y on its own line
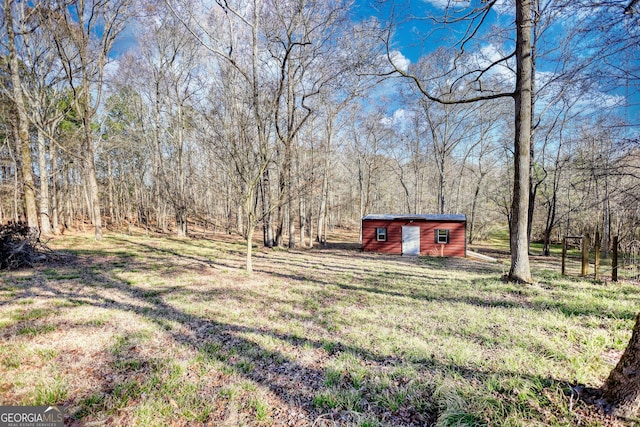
621, 391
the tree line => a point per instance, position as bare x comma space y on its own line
292, 117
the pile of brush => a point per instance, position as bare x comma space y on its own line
20, 246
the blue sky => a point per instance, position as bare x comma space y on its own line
417, 37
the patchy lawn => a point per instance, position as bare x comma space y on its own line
147, 331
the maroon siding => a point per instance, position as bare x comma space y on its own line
393, 245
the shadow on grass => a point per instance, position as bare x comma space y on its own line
269, 368
290, 380
339, 274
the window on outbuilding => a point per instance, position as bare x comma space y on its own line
381, 234
442, 236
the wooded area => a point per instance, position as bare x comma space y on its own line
294, 117
288, 115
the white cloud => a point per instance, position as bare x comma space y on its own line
504, 7
400, 119
401, 114
443, 4
491, 54
400, 61
111, 69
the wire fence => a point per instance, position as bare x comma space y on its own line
629, 260
579, 258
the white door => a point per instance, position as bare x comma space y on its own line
410, 240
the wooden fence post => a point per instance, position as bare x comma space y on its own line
585, 255
596, 274
564, 254
614, 260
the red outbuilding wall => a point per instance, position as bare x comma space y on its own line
456, 245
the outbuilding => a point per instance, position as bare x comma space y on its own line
433, 235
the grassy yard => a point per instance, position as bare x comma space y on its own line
148, 331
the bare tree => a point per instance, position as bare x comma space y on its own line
233, 35
22, 118
355, 53
84, 32
447, 124
522, 95
47, 109
167, 78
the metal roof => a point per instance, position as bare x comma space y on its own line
420, 217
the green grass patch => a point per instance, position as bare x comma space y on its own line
11, 356
36, 330
51, 391
52, 274
26, 315
172, 331
90, 405
261, 409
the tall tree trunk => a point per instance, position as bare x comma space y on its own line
93, 194
292, 224
551, 219
606, 221
324, 192
17, 174
621, 390
284, 199
441, 184
265, 189
460, 182
90, 177
67, 194
280, 226
302, 218
31, 210
45, 223
250, 202
251, 225
520, 270
180, 199
533, 186
110, 190
309, 222
54, 189
474, 206
158, 162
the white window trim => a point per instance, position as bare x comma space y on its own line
445, 234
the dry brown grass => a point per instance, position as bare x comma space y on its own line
139, 330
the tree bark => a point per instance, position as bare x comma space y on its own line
324, 191
265, 190
251, 225
520, 270
474, 205
45, 223
621, 390
31, 210
54, 190
17, 176
90, 172
181, 205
